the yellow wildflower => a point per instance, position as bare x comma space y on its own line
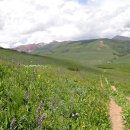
83, 126
39, 76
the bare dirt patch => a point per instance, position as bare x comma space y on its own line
102, 45
115, 116
128, 98
113, 88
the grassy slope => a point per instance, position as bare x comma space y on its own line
24, 58
123, 59
27, 59
63, 93
88, 52
85, 54
22, 89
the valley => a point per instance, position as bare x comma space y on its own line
66, 86
64, 64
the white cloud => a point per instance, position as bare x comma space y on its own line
48, 20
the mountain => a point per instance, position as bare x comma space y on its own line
29, 47
121, 38
96, 51
40, 46
86, 52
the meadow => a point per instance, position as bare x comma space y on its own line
55, 97
51, 98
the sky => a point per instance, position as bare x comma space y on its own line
33, 21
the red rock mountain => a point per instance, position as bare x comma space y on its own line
29, 47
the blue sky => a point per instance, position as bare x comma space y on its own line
83, 1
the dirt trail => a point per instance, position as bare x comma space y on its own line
128, 98
115, 116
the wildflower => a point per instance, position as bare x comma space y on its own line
39, 110
39, 76
62, 102
40, 121
106, 113
98, 109
74, 115
83, 126
13, 124
53, 102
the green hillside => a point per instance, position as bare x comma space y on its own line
91, 52
25, 58
28, 59
123, 59
55, 98
55, 94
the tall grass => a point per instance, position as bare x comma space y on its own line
51, 98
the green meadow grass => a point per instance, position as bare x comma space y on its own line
28, 59
52, 98
118, 75
82, 52
56, 94
88, 52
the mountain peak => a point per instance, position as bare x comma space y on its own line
29, 47
121, 38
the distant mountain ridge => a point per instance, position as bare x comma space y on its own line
52, 45
121, 38
86, 52
29, 47
34, 47
94, 51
